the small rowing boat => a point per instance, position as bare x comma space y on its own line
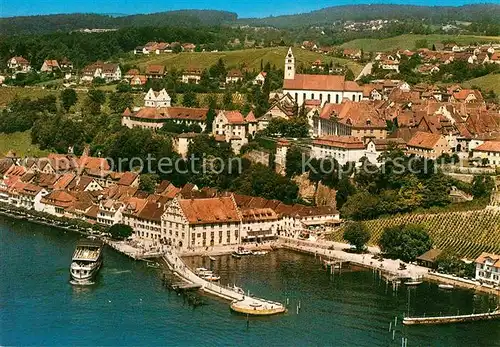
446, 286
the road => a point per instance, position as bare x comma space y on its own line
366, 71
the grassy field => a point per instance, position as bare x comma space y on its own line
7, 94
19, 143
250, 57
465, 233
488, 82
408, 41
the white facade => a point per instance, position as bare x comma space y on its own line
160, 99
488, 269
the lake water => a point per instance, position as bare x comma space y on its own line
128, 305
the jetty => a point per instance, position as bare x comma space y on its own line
239, 302
451, 319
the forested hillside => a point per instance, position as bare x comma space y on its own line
485, 13
434, 14
70, 22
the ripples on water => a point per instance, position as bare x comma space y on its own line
129, 306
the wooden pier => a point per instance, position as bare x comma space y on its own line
451, 319
240, 302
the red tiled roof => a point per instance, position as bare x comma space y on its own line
495, 258
258, 214
198, 114
155, 70
127, 178
250, 118
211, 210
348, 142
424, 140
234, 117
315, 82
464, 93
488, 146
234, 73
20, 60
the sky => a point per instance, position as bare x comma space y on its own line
244, 8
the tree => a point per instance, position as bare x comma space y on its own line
405, 242
120, 231
211, 114
293, 161
119, 102
68, 98
482, 186
189, 99
95, 99
349, 75
357, 235
227, 100
177, 49
148, 183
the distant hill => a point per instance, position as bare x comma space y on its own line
196, 18
69, 22
436, 14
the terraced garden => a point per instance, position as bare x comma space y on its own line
467, 234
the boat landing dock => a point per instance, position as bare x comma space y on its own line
240, 302
451, 319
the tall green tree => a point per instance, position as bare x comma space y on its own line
147, 182
68, 98
120, 231
357, 234
405, 242
189, 99
119, 102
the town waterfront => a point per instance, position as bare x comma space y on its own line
129, 306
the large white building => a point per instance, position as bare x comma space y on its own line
325, 88
488, 268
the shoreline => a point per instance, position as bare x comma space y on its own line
301, 246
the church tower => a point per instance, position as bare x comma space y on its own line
289, 65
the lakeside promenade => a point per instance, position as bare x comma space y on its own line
322, 248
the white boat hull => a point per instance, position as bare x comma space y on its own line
84, 274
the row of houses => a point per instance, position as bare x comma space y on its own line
188, 76
186, 217
154, 47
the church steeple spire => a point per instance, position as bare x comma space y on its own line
289, 65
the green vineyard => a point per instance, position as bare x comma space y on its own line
467, 234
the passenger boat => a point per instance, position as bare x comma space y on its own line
86, 262
446, 286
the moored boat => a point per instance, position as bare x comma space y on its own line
413, 283
236, 256
446, 286
241, 251
86, 262
210, 277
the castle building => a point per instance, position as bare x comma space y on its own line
325, 88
